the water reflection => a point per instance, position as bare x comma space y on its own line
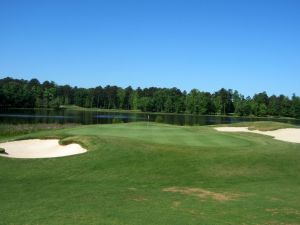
16, 116
34, 116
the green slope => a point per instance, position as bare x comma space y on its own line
141, 173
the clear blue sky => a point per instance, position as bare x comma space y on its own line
248, 45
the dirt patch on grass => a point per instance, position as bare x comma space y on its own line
202, 193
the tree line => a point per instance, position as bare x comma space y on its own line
34, 94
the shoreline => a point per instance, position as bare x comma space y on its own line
124, 111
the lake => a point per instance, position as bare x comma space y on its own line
17, 116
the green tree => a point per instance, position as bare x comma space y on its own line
274, 106
295, 106
223, 101
263, 110
23, 93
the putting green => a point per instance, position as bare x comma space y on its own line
141, 173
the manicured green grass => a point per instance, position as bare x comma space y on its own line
139, 173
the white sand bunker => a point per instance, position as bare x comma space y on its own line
36, 148
287, 134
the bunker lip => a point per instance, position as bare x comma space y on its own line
37, 148
287, 134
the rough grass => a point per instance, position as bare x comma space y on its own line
260, 125
154, 174
78, 108
7, 130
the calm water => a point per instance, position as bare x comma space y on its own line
17, 116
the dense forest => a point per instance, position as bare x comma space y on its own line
33, 94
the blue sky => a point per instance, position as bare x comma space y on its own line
249, 45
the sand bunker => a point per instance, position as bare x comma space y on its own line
287, 134
36, 148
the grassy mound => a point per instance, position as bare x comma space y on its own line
7, 130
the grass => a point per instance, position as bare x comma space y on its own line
10, 130
78, 108
139, 173
261, 125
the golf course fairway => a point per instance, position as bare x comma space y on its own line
142, 174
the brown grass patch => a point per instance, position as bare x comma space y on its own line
202, 193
